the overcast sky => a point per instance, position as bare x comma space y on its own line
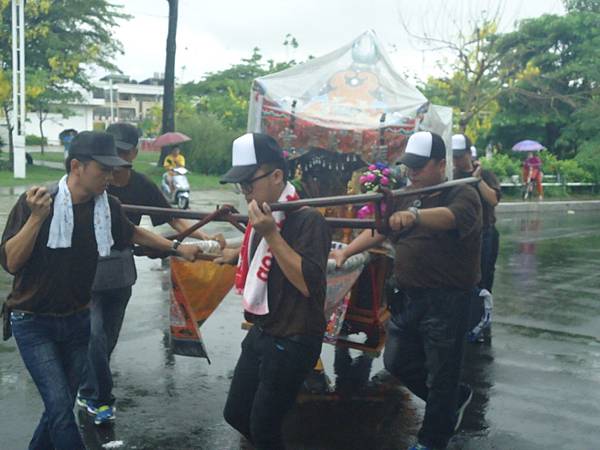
212, 35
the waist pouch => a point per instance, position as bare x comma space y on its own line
115, 271
6, 328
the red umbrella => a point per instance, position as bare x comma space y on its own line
170, 138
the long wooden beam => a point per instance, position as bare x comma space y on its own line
335, 222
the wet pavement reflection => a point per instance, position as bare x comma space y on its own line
537, 386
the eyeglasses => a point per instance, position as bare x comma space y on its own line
245, 187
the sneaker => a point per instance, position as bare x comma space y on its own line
104, 414
465, 395
81, 402
418, 446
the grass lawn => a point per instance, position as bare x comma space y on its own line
35, 175
144, 163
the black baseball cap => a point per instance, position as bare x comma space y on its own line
126, 135
248, 152
421, 147
99, 146
461, 144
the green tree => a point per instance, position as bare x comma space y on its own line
62, 40
558, 101
226, 93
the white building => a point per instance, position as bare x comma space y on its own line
129, 102
125, 100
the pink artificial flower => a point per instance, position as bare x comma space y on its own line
385, 181
372, 167
362, 179
370, 177
366, 211
385, 171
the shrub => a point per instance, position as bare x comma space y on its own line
502, 165
32, 139
209, 151
588, 157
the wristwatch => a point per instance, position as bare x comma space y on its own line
415, 211
174, 245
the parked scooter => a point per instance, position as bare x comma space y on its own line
180, 195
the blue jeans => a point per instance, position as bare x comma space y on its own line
54, 351
107, 311
266, 382
424, 349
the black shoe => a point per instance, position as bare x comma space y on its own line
465, 395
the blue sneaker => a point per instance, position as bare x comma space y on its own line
418, 446
465, 395
103, 414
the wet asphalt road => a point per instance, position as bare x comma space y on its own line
536, 387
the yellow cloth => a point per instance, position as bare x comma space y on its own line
172, 162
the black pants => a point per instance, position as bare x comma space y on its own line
266, 381
490, 242
489, 253
424, 349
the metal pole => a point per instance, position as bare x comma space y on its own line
18, 65
112, 111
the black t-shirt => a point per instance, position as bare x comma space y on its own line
59, 281
141, 191
290, 312
427, 258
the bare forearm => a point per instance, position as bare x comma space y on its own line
364, 241
19, 247
289, 261
437, 219
151, 240
489, 195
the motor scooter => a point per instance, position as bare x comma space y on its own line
180, 195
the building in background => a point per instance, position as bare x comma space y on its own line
125, 100
129, 102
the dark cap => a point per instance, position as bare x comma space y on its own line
248, 153
126, 135
98, 146
461, 145
421, 147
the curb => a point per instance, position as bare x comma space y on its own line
534, 207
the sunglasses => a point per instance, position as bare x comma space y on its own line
246, 187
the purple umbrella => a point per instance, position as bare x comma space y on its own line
528, 146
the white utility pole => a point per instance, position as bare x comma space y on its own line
112, 108
18, 87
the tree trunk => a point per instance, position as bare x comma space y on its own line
168, 118
168, 112
9, 127
42, 118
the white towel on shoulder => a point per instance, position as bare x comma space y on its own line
252, 275
61, 227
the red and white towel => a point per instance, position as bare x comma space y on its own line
252, 276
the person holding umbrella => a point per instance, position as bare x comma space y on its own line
532, 166
532, 171
173, 161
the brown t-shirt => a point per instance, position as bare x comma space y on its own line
290, 312
59, 281
427, 258
487, 211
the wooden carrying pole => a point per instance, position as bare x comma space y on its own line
335, 222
